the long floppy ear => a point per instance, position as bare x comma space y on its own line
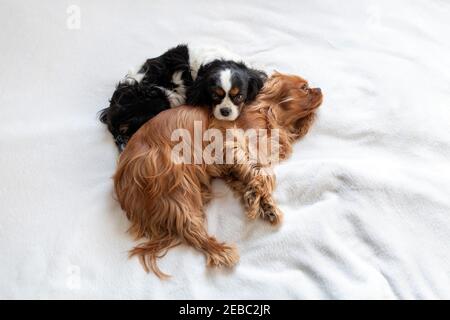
255, 83
196, 94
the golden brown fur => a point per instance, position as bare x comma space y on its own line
165, 201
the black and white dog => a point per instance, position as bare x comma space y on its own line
199, 76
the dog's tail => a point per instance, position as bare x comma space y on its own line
148, 252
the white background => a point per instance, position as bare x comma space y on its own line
366, 195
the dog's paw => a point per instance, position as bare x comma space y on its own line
227, 256
271, 213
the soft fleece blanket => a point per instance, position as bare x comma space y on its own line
366, 195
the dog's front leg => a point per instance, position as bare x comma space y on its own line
253, 184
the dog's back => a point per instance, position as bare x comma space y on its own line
164, 200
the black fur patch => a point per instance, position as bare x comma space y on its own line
130, 107
134, 104
159, 70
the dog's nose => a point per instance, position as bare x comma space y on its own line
317, 90
225, 112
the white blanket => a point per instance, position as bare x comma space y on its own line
366, 195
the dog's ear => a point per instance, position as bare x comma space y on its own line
196, 94
255, 83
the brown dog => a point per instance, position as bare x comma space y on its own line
164, 199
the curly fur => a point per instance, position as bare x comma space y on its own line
130, 107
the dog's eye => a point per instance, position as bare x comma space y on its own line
238, 97
304, 87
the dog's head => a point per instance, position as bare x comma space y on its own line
225, 87
290, 99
